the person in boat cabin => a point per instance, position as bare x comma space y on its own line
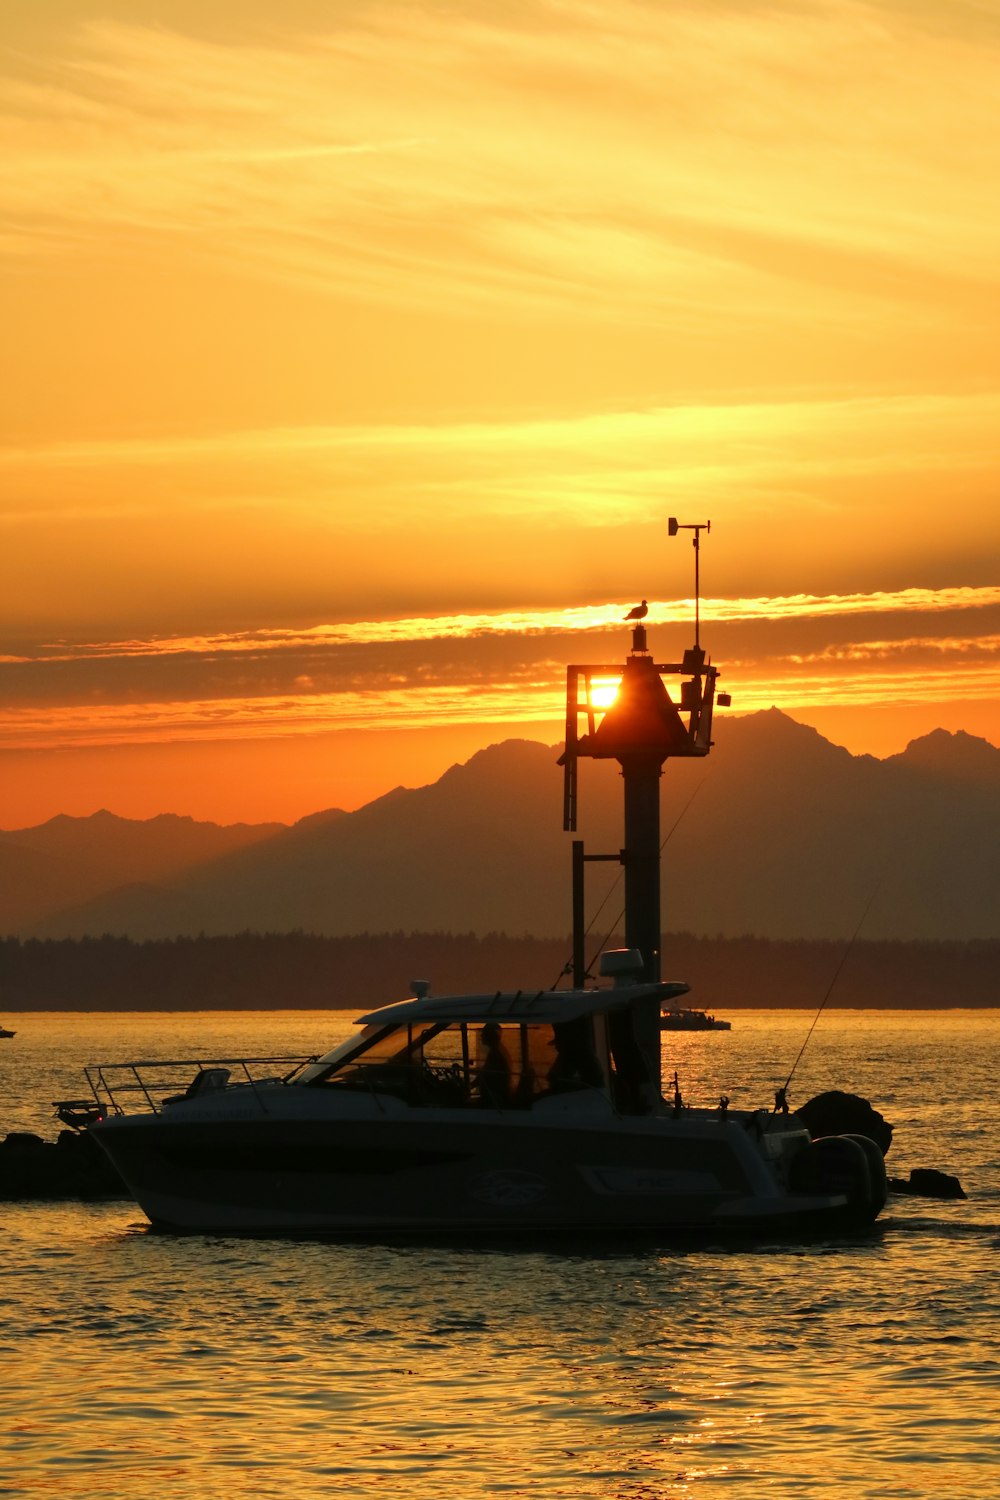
631, 1077
495, 1075
575, 1064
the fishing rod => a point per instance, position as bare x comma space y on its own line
781, 1095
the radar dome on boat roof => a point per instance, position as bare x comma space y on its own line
623, 965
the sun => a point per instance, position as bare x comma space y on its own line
604, 691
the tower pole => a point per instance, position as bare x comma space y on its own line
641, 774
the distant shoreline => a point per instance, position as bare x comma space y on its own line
302, 971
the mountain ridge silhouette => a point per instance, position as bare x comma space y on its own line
779, 833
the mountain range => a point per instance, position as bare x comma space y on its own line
779, 833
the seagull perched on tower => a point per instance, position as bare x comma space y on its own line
639, 613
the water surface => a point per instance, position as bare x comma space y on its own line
136, 1364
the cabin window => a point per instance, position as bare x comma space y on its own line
515, 1065
488, 1064
442, 1058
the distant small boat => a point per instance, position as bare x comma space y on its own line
4, 1032
691, 1020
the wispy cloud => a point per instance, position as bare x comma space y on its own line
411, 151
595, 468
745, 423
284, 715
958, 649
266, 716
527, 623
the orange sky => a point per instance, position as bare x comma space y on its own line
355, 356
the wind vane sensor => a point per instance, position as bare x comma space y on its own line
673, 527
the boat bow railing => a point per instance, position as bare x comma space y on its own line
122, 1088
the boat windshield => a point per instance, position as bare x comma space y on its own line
316, 1071
486, 1063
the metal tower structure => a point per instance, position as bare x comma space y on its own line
641, 729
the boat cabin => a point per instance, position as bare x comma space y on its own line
506, 1051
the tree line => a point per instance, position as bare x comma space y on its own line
301, 971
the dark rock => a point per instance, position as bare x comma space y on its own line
74, 1167
21, 1140
927, 1182
836, 1113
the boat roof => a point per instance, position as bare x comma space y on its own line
540, 1007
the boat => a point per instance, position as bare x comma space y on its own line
483, 1114
514, 1112
5, 1033
682, 1019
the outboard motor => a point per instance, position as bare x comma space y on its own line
842, 1164
876, 1169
